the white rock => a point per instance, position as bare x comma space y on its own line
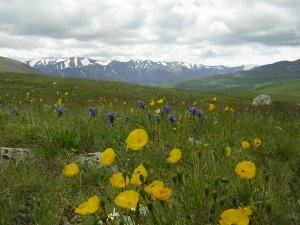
262, 100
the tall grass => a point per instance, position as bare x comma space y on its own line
204, 183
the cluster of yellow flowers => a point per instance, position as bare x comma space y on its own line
246, 144
126, 199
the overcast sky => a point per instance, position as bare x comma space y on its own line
209, 32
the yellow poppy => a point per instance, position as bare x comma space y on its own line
245, 170
158, 190
138, 172
118, 181
234, 217
137, 139
175, 156
211, 107
127, 199
228, 151
160, 101
107, 157
71, 170
257, 142
88, 207
245, 145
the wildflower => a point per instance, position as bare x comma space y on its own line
231, 110
118, 181
137, 139
211, 107
165, 109
59, 109
156, 117
228, 151
71, 170
66, 93
245, 170
88, 207
227, 108
127, 199
107, 157
92, 111
141, 105
172, 118
110, 118
193, 111
157, 111
14, 111
152, 103
215, 99
160, 101
175, 155
138, 173
257, 142
158, 190
194, 103
234, 216
245, 145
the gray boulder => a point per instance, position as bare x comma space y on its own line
262, 100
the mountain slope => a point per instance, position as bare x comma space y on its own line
277, 76
13, 66
133, 71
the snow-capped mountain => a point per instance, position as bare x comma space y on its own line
133, 71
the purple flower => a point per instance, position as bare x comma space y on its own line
156, 117
59, 109
110, 118
165, 109
172, 118
92, 111
193, 111
141, 105
14, 111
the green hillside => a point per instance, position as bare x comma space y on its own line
13, 66
220, 158
281, 78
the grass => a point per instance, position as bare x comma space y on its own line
204, 183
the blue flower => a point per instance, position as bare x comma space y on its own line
14, 111
172, 118
59, 109
110, 118
92, 111
156, 117
165, 109
141, 105
193, 111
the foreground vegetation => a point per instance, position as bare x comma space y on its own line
203, 183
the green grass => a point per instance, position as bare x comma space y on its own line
204, 183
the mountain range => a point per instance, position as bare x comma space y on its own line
144, 72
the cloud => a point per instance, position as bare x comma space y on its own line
220, 31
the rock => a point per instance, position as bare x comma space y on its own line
262, 100
13, 153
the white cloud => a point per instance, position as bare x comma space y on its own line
228, 32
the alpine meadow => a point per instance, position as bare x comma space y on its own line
104, 152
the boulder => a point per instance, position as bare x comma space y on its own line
262, 100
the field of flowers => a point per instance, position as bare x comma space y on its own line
167, 156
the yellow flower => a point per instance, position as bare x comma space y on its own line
245, 170
231, 110
160, 101
175, 155
152, 103
157, 111
71, 170
66, 93
88, 207
257, 142
211, 107
245, 145
194, 103
234, 217
228, 151
138, 172
118, 181
215, 99
158, 190
137, 139
107, 157
127, 199
226, 108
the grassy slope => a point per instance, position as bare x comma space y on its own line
14, 66
204, 183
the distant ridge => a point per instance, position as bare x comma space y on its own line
8, 65
145, 72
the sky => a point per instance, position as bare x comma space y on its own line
208, 32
